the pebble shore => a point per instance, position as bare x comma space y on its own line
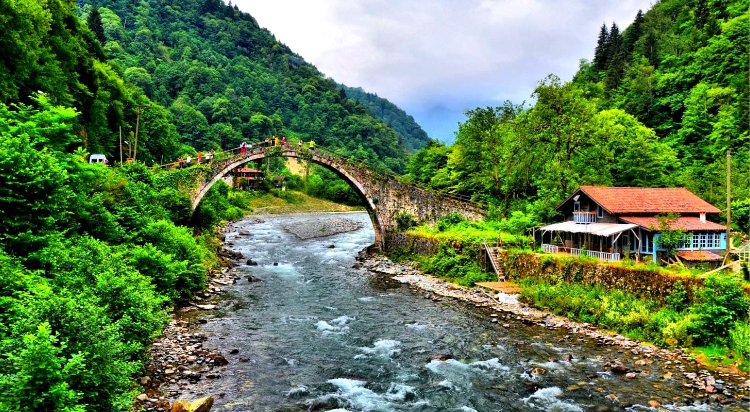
724, 388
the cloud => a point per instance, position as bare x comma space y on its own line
442, 56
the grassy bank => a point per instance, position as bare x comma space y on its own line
291, 201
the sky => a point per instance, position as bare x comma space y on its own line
438, 58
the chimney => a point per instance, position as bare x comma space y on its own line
703, 218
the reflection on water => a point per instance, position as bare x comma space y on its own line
315, 334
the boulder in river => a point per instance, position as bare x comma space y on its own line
198, 405
245, 233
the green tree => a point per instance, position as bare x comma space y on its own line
600, 53
670, 236
94, 22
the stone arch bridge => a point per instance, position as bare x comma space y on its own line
384, 197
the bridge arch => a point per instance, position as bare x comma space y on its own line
331, 163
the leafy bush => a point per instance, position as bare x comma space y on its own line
445, 222
722, 301
405, 221
739, 338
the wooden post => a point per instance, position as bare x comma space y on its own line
137, 123
120, 146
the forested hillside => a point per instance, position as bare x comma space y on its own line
660, 105
203, 75
224, 79
412, 135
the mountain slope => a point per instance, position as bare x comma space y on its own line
682, 69
412, 135
225, 79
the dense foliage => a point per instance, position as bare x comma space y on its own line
660, 105
90, 260
412, 135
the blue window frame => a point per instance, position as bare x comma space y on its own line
599, 212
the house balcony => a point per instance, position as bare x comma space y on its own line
603, 256
584, 217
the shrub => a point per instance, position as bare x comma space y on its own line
405, 221
678, 298
447, 221
739, 342
721, 302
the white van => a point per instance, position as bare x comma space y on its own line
98, 158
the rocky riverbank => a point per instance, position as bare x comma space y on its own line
635, 356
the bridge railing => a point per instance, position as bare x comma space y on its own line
338, 157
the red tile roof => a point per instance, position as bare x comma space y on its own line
698, 256
690, 223
623, 200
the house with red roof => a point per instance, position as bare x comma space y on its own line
247, 178
612, 222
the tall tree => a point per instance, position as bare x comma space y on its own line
94, 21
633, 33
615, 60
600, 53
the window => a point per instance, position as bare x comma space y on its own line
646, 243
577, 206
599, 212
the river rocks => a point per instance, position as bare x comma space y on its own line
251, 262
198, 405
206, 307
142, 397
331, 246
245, 233
314, 228
630, 375
218, 359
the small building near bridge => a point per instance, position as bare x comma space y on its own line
610, 223
248, 179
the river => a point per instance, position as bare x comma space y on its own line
316, 334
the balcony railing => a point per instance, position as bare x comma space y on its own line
605, 256
584, 217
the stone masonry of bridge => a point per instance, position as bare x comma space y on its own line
385, 197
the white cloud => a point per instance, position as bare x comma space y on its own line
442, 55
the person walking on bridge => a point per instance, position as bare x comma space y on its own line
243, 148
180, 161
276, 140
300, 144
311, 145
283, 141
268, 142
200, 157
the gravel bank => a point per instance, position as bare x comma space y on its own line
316, 228
721, 387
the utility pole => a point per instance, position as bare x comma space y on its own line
137, 123
120, 146
729, 203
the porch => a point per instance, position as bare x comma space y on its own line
604, 241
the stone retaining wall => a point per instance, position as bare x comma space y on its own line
643, 283
401, 241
